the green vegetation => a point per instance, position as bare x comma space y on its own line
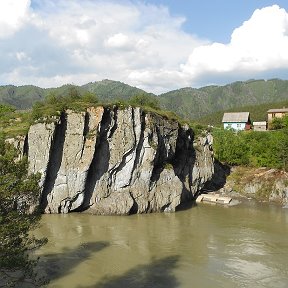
279, 123
189, 103
21, 97
18, 193
257, 113
196, 103
168, 166
264, 192
109, 91
54, 104
144, 100
255, 149
14, 123
24, 97
263, 182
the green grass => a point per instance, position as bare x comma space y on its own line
13, 123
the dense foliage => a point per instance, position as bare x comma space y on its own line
18, 194
145, 100
280, 123
252, 148
54, 104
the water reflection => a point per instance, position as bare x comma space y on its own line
158, 273
215, 247
58, 264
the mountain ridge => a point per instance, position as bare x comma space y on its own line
188, 102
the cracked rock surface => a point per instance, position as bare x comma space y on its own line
117, 161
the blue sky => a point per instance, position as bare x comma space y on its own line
215, 19
155, 45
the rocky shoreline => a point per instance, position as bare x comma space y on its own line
262, 184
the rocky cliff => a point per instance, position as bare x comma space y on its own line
113, 161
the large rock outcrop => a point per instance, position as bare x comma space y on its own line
113, 161
263, 184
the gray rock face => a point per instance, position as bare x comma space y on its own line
112, 161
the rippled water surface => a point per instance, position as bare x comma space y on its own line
205, 246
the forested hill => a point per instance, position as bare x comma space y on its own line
196, 103
258, 112
189, 103
23, 97
113, 90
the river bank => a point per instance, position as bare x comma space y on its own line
262, 184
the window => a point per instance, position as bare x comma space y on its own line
238, 125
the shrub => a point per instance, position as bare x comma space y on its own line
18, 191
256, 149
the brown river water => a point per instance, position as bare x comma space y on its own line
204, 246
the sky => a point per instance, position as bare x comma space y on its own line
155, 45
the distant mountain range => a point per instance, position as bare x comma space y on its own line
23, 97
189, 103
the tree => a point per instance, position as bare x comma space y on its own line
19, 193
73, 93
145, 100
277, 123
282, 149
231, 147
90, 97
51, 98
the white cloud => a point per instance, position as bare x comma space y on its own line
22, 56
73, 40
118, 40
54, 42
18, 78
13, 14
260, 44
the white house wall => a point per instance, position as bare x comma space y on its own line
235, 126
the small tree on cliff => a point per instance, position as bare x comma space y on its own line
145, 100
18, 191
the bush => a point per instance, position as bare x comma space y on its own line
256, 149
89, 97
143, 100
18, 192
277, 123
